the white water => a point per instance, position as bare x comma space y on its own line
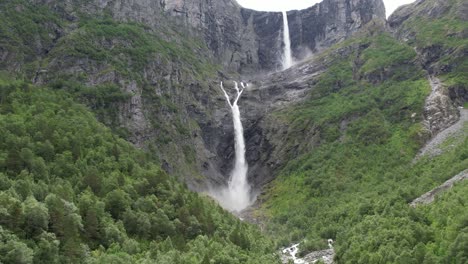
292, 252
287, 57
236, 196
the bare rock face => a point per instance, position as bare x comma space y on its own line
246, 40
439, 111
329, 22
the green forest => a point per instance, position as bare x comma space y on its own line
73, 192
77, 185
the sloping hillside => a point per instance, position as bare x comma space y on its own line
73, 192
352, 143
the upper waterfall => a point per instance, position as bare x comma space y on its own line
287, 57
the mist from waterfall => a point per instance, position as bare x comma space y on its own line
287, 55
236, 196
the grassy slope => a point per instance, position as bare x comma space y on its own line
354, 186
71, 191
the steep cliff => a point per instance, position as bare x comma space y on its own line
240, 39
246, 40
257, 40
147, 83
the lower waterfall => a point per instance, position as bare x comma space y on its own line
236, 196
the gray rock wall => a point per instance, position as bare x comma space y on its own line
242, 40
329, 22
245, 40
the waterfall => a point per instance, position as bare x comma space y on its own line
236, 196
287, 57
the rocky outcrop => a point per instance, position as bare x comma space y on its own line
408, 22
326, 256
439, 111
430, 196
435, 57
428, 8
458, 94
457, 132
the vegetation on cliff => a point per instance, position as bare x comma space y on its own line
119, 69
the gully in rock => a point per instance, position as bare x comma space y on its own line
236, 196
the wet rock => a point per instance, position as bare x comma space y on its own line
289, 254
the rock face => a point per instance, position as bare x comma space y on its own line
430, 196
245, 40
242, 40
439, 111
329, 22
456, 133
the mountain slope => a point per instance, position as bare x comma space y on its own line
332, 140
134, 78
151, 69
72, 192
437, 30
350, 144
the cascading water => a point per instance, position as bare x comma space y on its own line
236, 196
287, 56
